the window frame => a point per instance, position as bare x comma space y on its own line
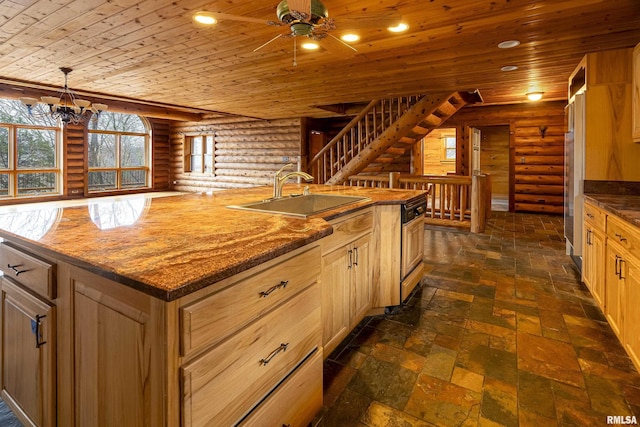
445, 158
203, 154
13, 171
118, 169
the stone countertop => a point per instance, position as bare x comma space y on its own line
626, 207
171, 244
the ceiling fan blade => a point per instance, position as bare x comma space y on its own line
344, 43
265, 44
303, 6
228, 17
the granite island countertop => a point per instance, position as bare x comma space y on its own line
626, 207
171, 244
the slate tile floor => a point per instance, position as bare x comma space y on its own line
501, 333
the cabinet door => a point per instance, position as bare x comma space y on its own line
412, 245
597, 265
118, 354
361, 279
28, 355
613, 290
335, 298
587, 257
632, 313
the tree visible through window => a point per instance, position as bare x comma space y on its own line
29, 151
118, 152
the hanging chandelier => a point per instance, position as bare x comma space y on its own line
65, 106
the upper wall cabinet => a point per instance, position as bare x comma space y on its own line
636, 93
604, 79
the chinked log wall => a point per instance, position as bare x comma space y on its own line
247, 151
536, 163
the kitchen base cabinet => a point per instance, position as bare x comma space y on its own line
593, 252
118, 354
28, 355
346, 277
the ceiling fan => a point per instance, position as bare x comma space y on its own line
305, 18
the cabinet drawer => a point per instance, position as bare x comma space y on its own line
347, 229
209, 320
29, 270
221, 386
624, 233
595, 216
295, 402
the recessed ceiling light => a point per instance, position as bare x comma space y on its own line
205, 18
310, 45
509, 68
399, 28
508, 44
535, 96
350, 37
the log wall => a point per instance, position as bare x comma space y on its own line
247, 151
536, 163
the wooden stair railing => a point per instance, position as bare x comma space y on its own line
383, 133
361, 131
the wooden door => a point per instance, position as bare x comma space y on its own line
28, 355
335, 298
361, 297
632, 313
613, 290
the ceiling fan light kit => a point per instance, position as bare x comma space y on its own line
305, 18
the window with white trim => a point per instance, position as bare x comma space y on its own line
119, 152
30, 153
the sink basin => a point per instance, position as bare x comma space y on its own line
302, 206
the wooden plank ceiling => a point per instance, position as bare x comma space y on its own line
151, 50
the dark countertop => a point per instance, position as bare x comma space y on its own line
626, 207
171, 244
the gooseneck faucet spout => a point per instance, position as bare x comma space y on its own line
278, 180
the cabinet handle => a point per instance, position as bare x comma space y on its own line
350, 259
35, 327
15, 268
356, 256
282, 347
590, 215
589, 237
619, 236
618, 266
283, 284
620, 275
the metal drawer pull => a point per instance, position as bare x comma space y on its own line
355, 250
283, 347
619, 236
35, 328
350, 252
283, 284
590, 215
15, 268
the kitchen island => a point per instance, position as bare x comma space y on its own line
176, 310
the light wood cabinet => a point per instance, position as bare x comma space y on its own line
27, 355
623, 284
593, 253
28, 335
636, 94
346, 277
614, 287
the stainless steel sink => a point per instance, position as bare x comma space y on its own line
302, 206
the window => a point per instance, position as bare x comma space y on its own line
449, 148
199, 154
30, 156
118, 152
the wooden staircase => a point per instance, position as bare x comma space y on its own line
382, 135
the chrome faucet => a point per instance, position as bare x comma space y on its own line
278, 180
